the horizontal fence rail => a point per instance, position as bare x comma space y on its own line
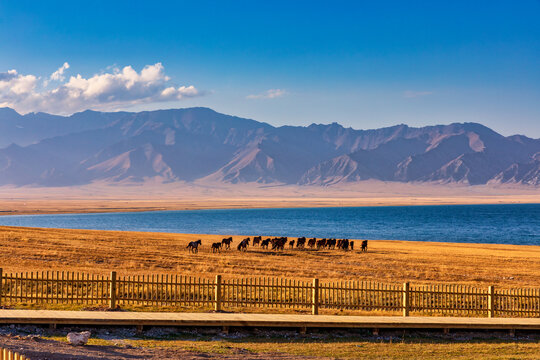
48, 287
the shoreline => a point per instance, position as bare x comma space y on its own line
111, 206
106, 197
205, 235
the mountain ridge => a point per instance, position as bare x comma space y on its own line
195, 144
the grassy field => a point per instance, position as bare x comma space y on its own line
338, 345
99, 252
274, 344
352, 348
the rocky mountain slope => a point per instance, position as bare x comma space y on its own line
200, 144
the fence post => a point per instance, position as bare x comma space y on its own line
1, 289
406, 299
315, 297
491, 301
112, 293
217, 293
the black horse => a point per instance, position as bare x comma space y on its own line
321, 244
279, 243
331, 243
265, 243
193, 246
364, 245
344, 244
257, 240
216, 247
243, 245
227, 243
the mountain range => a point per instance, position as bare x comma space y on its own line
199, 144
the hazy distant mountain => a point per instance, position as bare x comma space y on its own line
201, 144
528, 173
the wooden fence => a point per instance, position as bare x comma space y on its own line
193, 292
6, 354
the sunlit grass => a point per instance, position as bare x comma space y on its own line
99, 252
346, 346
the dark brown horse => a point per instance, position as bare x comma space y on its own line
243, 245
265, 243
193, 246
279, 243
343, 244
227, 243
364, 245
331, 243
257, 240
216, 247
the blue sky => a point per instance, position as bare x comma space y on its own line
362, 64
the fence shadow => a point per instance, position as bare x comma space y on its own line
337, 336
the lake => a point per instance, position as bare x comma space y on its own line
501, 224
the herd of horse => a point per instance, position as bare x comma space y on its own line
279, 243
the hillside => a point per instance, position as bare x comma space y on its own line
199, 144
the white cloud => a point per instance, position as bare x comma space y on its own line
268, 94
110, 90
58, 75
413, 94
14, 85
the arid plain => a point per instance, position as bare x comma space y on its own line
109, 197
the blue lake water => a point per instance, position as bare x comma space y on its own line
503, 224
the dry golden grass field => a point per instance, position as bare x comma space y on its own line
99, 252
